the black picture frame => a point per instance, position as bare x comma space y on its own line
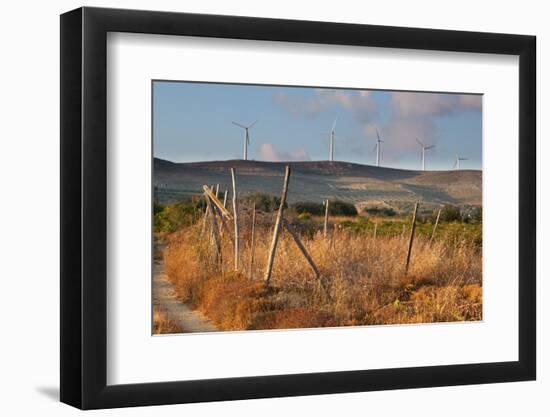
84, 207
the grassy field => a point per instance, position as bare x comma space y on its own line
363, 279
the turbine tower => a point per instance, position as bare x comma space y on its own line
424, 149
457, 161
246, 137
332, 135
377, 147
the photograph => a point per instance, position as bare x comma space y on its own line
294, 207
258, 204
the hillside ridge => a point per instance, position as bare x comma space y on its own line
317, 180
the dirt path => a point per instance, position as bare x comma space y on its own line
164, 295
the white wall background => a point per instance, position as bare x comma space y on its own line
29, 225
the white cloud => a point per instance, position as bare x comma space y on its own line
407, 116
470, 101
268, 152
412, 116
409, 104
298, 106
361, 103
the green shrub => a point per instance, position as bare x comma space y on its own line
361, 225
336, 208
380, 211
169, 218
264, 202
316, 209
304, 216
158, 208
341, 208
472, 214
450, 213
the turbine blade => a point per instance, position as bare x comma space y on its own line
373, 149
334, 124
255, 121
238, 124
429, 147
420, 143
377, 134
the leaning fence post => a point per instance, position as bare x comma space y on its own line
215, 231
252, 238
235, 217
218, 208
375, 229
413, 226
302, 248
325, 226
435, 226
217, 203
276, 230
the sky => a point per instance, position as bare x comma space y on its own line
193, 122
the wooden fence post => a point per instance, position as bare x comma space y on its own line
235, 217
375, 230
205, 216
215, 231
325, 226
302, 248
225, 198
435, 226
411, 238
217, 203
219, 209
252, 243
276, 230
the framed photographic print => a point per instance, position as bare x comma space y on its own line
257, 207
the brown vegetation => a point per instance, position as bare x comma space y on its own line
364, 277
162, 323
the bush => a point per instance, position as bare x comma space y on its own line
336, 208
316, 209
380, 211
450, 213
169, 218
362, 225
472, 214
304, 216
341, 208
158, 208
264, 202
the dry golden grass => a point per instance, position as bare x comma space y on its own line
365, 279
162, 323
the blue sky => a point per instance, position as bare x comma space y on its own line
192, 122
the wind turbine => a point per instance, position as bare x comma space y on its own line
332, 135
457, 161
377, 147
424, 149
246, 137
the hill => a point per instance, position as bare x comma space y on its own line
317, 180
